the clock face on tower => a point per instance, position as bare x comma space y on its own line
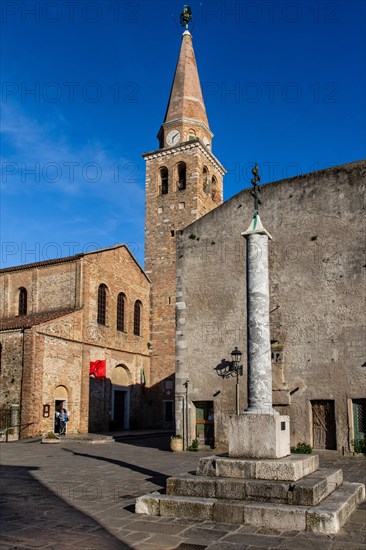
173, 137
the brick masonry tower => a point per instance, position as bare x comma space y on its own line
184, 181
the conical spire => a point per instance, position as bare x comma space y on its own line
186, 100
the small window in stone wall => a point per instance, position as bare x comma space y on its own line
121, 302
206, 181
164, 178
137, 318
102, 304
22, 301
182, 176
214, 192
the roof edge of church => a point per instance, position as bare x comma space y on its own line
22, 322
350, 165
69, 259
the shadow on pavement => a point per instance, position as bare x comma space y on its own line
153, 441
154, 477
31, 514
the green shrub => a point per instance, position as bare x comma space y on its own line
302, 448
194, 446
359, 446
178, 436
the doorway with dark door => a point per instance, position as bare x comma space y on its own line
205, 425
324, 426
359, 419
120, 409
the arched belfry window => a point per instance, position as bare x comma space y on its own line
164, 186
214, 191
121, 306
206, 181
182, 176
102, 304
137, 318
191, 135
22, 310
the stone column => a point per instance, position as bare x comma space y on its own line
260, 431
259, 344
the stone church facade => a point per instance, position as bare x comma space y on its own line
57, 317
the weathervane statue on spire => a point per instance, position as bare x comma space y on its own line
185, 17
256, 190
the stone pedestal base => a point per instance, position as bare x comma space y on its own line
259, 436
290, 493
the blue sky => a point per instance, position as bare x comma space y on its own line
283, 81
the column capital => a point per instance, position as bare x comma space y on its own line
256, 228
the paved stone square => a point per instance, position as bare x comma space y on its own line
80, 495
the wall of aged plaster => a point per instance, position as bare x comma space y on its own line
317, 291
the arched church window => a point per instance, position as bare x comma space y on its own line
102, 304
164, 180
137, 318
206, 181
191, 135
182, 176
22, 309
121, 303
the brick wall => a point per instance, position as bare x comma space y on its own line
166, 214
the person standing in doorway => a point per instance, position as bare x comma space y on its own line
63, 418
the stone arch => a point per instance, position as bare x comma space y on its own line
181, 170
121, 376
61, 393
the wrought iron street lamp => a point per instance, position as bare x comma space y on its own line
226, 369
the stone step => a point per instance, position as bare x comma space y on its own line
333, 511
328, 517
289, 468
308, 491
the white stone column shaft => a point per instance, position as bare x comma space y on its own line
259, 344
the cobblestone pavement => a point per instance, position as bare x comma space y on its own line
78, 495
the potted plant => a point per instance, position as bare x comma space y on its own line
176, 443
51, 437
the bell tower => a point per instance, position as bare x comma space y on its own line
184, 181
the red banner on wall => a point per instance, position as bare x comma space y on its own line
98, 369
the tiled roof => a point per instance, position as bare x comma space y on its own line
28, 321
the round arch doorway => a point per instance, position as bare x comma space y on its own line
60, 398
120, 398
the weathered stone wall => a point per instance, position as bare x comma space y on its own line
317, 290
11, 368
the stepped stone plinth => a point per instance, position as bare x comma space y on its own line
286, 493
